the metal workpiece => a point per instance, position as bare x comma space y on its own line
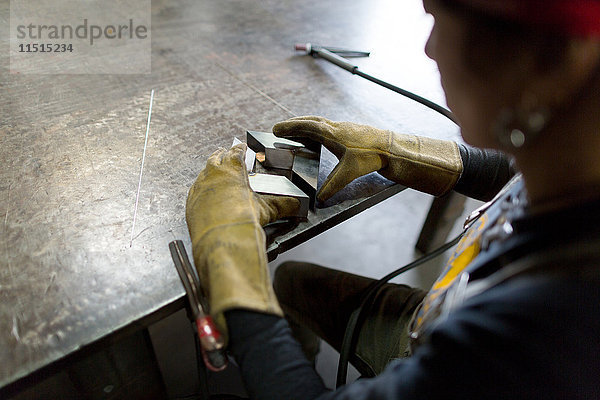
249, 158
278, 185
287, 158
260, 169
362, 193
305, 173
279, 152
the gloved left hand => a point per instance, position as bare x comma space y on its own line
430, 165
225, 219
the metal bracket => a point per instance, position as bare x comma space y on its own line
278, 185
287, 158
305, 173
279, 152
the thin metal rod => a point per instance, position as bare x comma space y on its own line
137, 196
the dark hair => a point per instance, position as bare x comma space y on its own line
493, 41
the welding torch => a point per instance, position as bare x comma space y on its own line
335, 55
212, 344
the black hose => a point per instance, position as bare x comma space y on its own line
359, 315
348, 66
427, 103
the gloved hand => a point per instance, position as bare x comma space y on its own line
225, 221
429, 165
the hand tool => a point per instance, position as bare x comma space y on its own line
309, 48
334, 56
211, 342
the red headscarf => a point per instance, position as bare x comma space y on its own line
572, 17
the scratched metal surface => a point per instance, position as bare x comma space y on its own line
71, 147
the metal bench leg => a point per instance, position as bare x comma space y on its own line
439, 222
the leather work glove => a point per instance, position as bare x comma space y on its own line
225, 218
429, 165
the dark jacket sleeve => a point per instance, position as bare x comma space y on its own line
271, 360
485, 172
531, 339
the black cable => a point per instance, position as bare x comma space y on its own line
359, 315
348, 66
427, 103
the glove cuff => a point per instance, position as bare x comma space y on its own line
429, 165
238, 276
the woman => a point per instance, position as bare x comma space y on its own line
515, 314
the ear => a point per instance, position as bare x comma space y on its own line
557, 86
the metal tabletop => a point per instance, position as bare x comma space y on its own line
71, 148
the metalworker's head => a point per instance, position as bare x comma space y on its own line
506, 63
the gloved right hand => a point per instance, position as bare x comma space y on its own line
225, 218
429, 165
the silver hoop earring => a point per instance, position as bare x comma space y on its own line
515, 129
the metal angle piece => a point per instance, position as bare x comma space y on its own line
250, 155
279, 152
280, 186
305, 173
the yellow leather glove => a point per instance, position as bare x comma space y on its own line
429, 165
225, 219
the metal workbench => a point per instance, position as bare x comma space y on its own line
71, 147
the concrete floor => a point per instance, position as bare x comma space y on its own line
372, 243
